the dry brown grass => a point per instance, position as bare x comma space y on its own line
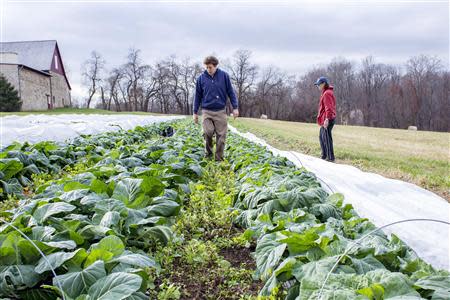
420, 157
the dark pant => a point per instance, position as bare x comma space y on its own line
326, 141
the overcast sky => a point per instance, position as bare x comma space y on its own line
293, 35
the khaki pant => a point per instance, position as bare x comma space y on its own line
214, 122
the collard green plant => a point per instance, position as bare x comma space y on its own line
301, 232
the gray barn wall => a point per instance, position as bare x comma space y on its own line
10, 73
60, 90
34, 90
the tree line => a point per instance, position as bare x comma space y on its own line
368, 93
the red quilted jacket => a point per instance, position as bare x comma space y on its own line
327, 106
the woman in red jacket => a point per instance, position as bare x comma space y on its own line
326, 117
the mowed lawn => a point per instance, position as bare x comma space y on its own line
420, 157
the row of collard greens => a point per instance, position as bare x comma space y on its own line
301, 232
95, 227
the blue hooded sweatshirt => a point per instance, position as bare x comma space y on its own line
212, 92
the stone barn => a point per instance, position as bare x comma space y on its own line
36, 70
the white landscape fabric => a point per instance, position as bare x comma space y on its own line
383, 201
39, 127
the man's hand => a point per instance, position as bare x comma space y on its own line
325, 123
235, 113
196, 118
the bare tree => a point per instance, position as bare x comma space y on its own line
372, 79
112, 88
150, 90
91, 72
188, 73
341, 73
422, 72
243, 74
379, 94
135, 72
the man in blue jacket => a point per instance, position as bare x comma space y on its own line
212, 90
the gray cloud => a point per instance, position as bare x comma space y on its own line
293, 36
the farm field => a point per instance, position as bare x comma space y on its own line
140, 214
419, 157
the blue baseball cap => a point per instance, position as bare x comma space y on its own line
320, 80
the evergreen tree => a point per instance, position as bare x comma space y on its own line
9, 97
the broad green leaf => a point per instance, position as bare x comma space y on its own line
137, 296
164, 208
69, 245
366, 264
439, 284
394, 283
112, 244
300, 242
134, 259
316, 270
152, 186
75, 185
110, 219
324, 211
95, 231
10, 167
74, 195
115, 286
373, 292
98, 254
98, 186
17, 277
268, 253
55, 260
159, 233
42, 233
11, 186
127, 190
76, 283
50, 209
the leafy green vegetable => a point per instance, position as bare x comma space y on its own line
76, 283
115, 286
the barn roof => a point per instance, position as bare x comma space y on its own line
34, 54
37, 55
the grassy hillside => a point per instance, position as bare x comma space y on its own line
420, 157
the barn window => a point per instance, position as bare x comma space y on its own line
56, 62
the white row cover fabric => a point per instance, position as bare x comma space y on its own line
40, 127
383, 201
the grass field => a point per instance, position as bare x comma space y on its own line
420, 157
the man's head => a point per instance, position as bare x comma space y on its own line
211, 63
322, 83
